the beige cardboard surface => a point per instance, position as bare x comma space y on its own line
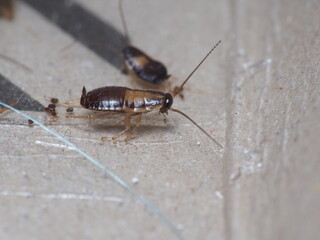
257, 94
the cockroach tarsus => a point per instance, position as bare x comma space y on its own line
134, 102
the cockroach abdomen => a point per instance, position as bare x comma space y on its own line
145, 67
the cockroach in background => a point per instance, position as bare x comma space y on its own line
7, 9
134, 102
138, 64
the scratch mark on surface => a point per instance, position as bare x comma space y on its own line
37, 156
57, 145
64, 196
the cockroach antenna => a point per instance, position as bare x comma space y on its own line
204, 131
123, 20
196, 68
180, 88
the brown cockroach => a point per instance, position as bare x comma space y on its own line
134, 102
138, 63
7, 9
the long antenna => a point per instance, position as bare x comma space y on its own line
178, 111
124, 22
195, 69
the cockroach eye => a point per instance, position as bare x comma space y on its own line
167, 103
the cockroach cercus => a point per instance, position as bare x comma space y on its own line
134, 102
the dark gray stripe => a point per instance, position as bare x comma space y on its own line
10, 93
84, 26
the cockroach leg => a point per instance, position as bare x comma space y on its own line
175, 90
124, 69
5, 109
164, 117
131, 134
92, 116
127, 126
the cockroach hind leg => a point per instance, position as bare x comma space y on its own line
11, 105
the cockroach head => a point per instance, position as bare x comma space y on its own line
168, 100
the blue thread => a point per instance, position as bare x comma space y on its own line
115, 177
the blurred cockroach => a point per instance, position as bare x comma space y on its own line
7, 9
134, 102
138, 63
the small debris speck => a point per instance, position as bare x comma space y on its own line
54, 100
219, 194
69, 109
180, 226
52, 106
134, 180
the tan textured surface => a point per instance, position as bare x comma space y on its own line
259, 92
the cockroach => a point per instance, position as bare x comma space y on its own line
135, 102
7, 9
138, 63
